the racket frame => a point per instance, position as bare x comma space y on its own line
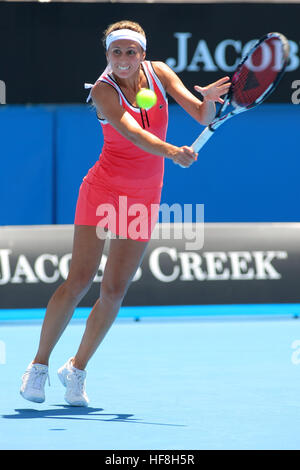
219, 120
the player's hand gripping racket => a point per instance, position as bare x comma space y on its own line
255, 78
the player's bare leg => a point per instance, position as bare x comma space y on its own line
124, 258
86, 256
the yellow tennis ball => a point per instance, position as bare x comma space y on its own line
146, 98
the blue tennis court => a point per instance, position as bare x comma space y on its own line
215, 377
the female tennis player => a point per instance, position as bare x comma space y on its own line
128, 175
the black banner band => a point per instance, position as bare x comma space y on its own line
225, 264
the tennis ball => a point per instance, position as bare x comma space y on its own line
146, 98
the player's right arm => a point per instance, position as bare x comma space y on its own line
106, 100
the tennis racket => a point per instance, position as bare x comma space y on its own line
255, 78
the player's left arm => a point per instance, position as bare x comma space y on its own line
203, 111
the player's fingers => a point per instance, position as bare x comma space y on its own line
189, 152
185, 156
188, 159
198, 88
224, 88
222, 80
225, 85
185, 164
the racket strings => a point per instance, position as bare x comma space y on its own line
251, 80
248, 88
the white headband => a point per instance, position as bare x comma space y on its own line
126, 34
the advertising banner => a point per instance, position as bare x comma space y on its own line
48, 51
191, 264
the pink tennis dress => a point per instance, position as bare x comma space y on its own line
122, 191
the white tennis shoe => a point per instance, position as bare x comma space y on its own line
74, 381
33, 382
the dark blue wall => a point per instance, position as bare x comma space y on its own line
249, 171
26, 156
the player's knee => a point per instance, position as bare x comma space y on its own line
113, 292
77, 285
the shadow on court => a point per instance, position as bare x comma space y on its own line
78, 413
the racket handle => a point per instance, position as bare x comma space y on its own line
202, 139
